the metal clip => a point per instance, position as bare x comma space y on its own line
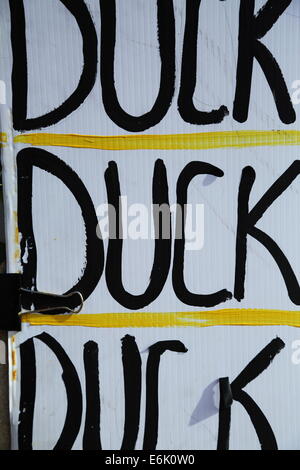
47, 309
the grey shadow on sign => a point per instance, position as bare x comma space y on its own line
207, 405
209, 179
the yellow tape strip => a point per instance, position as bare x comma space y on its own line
249, 317
3, 139
204, 140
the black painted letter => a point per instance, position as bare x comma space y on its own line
166, 39
19, 72
234, 391
246, 226
251, 29
191, 170
186, 107
162, 252
26, 160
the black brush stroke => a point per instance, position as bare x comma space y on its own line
91, 435
132, 370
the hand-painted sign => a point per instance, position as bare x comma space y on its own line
150, 160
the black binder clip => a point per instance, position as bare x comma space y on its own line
10, 293
14, 297
52, 304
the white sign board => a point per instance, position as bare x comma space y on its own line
150, 156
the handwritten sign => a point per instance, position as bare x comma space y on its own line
150, 155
